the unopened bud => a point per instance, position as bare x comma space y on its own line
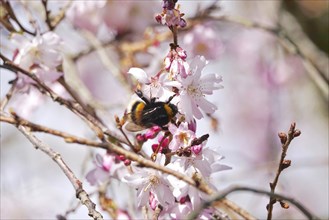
158, 19
127, 162
297, 133
286, 163
140, 138
122, 157
117, 119
155, 147
183, 200
284, 205
283, 137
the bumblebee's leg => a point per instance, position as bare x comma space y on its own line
140, 94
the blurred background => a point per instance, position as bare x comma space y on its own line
267, 86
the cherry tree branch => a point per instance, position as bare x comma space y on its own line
81, 194
93, 123
8, 13
283, 164
52, 22
8, 96
47, 13
225, 193
200, 185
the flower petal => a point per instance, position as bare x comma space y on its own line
206, 106
139, 74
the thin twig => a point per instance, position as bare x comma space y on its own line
95, 125
11, 13
81, 194
8, 96
61, 15
225, 193
283, 164
16, 120
47, 14
314, 60
77, 98
52, 22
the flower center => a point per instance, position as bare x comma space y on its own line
194, 91
201, 48
183, 137
153, 181
155, 82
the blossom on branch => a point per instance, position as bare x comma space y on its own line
194, 89
40, 55
203, 40
152, 185
106, 166
154, 85
170, 16
175, 63
182, 136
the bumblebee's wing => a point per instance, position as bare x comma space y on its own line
131, 126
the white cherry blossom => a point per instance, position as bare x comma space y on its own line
194, 89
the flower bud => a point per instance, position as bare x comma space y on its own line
285, 164
297, 133
140, 138
127, 162
122, 157
284, 205
283, 137
158, 19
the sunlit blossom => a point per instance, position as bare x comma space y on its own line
182, 136
86, 14
194, 89
154, 84
204, 40
40, 55
150, 182
106, 167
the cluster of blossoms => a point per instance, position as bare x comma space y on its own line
178, 148
97, 16
40, 55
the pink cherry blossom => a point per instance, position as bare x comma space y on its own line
203, 40
125, 16
154, 84
106, 166
86, 14
122, 215
39, 55
194, 89
182, 136
171, 17
150, 182
175, 63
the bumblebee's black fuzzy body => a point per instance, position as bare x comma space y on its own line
150, 113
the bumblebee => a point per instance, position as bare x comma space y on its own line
150, 112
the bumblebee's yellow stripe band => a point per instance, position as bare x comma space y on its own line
169, 111
138, 113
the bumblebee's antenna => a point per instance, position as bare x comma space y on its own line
170, 98
140, 94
